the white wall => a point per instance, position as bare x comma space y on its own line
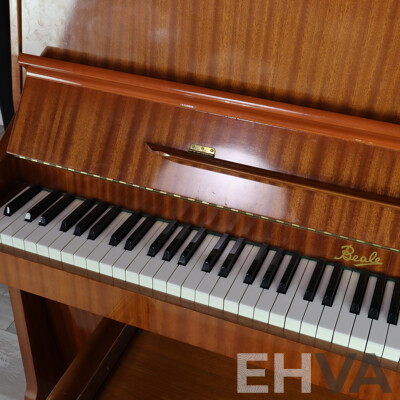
1, 119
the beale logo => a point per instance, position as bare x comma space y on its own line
334, 384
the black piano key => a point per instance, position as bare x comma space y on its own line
56, 209
76, 215
162, 238
103, 222
231, 258
192, 246
83, 225
394, 308
42, 206
333, 285
177, 242
124, 229
314, 281
273, 267
139, 232
215, 253
21, 200
256, 264
376, 302
359, 293
288, 275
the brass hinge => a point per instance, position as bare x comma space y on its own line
203, 150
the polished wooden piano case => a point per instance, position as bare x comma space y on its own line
125, 137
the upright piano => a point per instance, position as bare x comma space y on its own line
158, 224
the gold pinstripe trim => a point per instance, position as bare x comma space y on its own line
214, 205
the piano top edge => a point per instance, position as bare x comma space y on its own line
315, 121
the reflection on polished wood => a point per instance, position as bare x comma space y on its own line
200, 375
115, 157
215, 102
163, 315
235, 76
79, 136
90, 368
337, 55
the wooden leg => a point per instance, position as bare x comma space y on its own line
95, 361
50, 335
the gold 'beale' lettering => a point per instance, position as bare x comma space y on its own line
348, 255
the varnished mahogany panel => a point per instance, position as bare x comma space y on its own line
307, 242
94, 362
177, 321
337, 55
155, 367
8, 167
76, 132
49, 334
341, 126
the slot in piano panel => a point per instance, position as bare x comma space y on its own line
101, 133
90, 142
276, 137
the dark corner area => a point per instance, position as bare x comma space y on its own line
6, 104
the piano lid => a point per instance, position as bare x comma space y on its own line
282, 162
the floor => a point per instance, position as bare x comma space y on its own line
12, 378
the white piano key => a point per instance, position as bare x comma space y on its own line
107, 262
142, 259
283, 301
330, 315
391, 349
309, 323
188, 289
268, 296
181, 272
362, 324
45, 235
380, 326
162, 276
298, 307
147, 273
345, 322
209, 280
217, 296
11, 225
129, 256
253, 291
82, 255
68, 252
238, 288
20, 236
94, 258
60, 243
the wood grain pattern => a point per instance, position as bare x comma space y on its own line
337, 55
8, 167
195, 98
16, 46
49, 334
200, 375
76, 133
309, 243
94, 362
177, 321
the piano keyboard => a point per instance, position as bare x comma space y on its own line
317, 299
